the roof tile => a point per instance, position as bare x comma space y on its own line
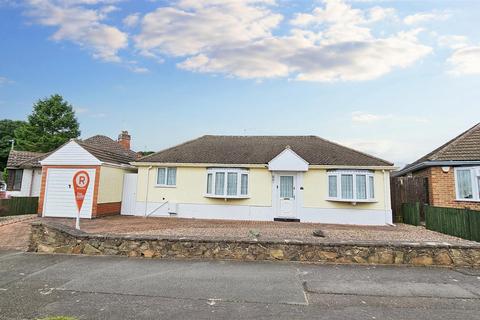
262, 149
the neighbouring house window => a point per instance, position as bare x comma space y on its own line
227, 183
351, 185
14, 182
166, 176
467, 183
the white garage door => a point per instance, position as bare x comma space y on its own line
60, 197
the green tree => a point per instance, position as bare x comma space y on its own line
51, 124
7, 129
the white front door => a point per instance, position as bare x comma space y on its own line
129, 198
286, 186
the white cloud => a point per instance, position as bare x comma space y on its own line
379, 14
465, 61
236, 38
423, 17
98, 115
81, 110
363, 117
137, 69
131, 20
82, 25
4, 81
453, 41
195, 26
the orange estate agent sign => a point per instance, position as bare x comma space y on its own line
81, 180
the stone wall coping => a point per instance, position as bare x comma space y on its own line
339, 243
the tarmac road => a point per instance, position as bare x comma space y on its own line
36, 285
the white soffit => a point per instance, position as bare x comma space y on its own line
288, 160
71, 154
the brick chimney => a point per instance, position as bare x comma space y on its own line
124, 139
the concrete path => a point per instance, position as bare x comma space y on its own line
33, 285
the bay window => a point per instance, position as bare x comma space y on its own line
227, 183
166, 177
467, 183
351, 185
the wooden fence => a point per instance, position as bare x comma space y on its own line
462, 223
18, 205
408, 190
411, 213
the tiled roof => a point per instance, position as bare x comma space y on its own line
262, 149
108, 154
110, 145
465, 147
15, 158
101, 147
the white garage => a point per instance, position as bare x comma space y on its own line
104, 163
60, 197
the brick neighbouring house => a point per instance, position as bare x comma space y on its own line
452, 171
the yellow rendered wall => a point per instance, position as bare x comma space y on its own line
192, 185
110, 186
315, 193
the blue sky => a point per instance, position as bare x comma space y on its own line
392, 78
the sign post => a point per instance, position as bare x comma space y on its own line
81, 180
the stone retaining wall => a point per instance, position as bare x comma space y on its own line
49, 237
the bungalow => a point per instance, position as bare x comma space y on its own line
103, 163
299, 178
452, 171
24, 173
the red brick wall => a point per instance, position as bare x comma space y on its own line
107, 209
441, 186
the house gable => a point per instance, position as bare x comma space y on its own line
71, 154
288, 160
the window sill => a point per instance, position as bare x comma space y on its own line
214, 196
353, 201
467, 200
164, 186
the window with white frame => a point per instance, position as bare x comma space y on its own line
227, 183
467, 183
167, 177
351, 185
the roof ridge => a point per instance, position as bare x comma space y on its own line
98, 148
121, 149
175, 146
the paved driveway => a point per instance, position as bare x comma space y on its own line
33, 285
15, 234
